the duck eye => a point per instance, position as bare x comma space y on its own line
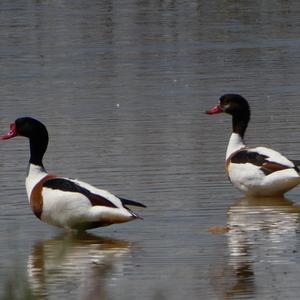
223, 103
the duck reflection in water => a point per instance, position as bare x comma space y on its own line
76, 265
259, 231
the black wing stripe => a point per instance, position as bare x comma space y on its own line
70, 186
244, 156
260, 160
131, 202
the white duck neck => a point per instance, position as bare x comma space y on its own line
236, 143
34, 174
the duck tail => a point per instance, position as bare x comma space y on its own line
297, 165
126, 202
131, 202
135, 215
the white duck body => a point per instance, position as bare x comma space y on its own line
251, 179
72, 210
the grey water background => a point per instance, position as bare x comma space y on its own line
122, 87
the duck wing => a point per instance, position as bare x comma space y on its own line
66, 185
268, 160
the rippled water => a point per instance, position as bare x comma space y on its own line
122, 86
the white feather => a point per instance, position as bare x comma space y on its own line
106, 194
235, 143
34, 175
251, 180
273, 156
68, 209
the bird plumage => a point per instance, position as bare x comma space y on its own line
61, 201
259, 171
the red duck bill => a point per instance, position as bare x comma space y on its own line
214, 110
12, 133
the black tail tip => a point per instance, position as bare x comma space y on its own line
132, 203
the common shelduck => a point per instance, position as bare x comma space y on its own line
65, 202
256, 171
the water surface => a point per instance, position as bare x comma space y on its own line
122, 86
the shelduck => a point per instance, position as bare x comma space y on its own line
256, 171
65, 202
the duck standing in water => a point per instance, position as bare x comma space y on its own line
256, 171
64, 202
